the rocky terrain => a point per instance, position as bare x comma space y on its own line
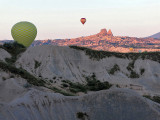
76, 83
156, 36
105, 40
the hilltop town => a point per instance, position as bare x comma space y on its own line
105, 40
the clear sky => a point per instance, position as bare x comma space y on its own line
57, 19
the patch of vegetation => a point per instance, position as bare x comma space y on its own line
154, 98
97, 55
82, 115
23, 73
114, 69
133, 74
51, 81
92, 85
60, 91
147, 96
95, 85
3, 78
130, 68
14, 49
12, 76
75, 87
142, 70
64, 85
117, 86
37, 64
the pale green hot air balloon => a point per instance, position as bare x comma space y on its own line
24, 33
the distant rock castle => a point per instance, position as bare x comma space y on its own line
104, 32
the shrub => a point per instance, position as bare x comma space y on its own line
51, 81
133, 74
95, 85
154, 98
114, 69
76, 87
37, 64
82, 115
92, 84
97, 55
64, 85
131, 66
14, 49
60, 91
23, 73
3, 78
12, 76
142, 70
147, 96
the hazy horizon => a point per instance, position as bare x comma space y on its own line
61, 19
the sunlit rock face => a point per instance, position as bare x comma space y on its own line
103, 32
109, 33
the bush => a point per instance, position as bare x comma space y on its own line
3, 78
14, 49
147, 96
97, 55
95, 85
76, 87
142, 71
130, 66
37, 64
64, 85
23, 73
92, 84
114, 69
82, 115
60, 91
51, 81
133, 74
154, 98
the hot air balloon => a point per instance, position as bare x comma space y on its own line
83, 20
24, 33
131, 49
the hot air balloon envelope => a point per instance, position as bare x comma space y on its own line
83, 20
131, 49
24, 33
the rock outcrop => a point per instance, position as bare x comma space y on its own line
115, 104
109, 33
22, 101
74, 65
103, 32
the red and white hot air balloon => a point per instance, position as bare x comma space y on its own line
83, 20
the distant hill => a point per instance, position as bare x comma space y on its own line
156, 36
105, 40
